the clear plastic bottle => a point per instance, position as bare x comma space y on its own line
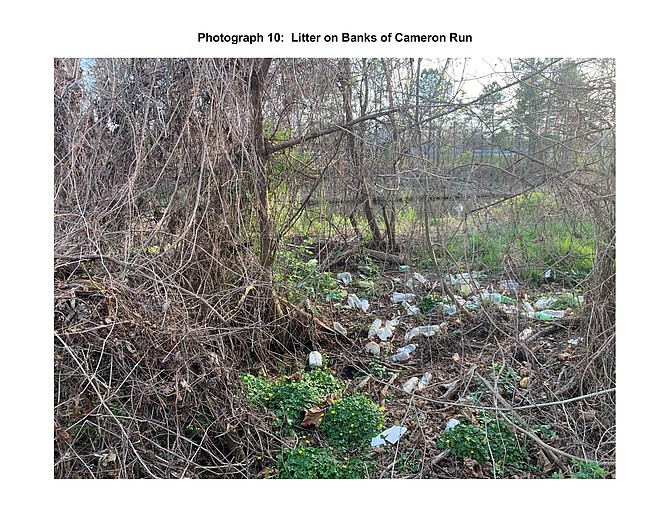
407, 348
398, 358
424, 380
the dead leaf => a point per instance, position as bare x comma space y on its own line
524, 382
312, 417
456, 357
564, 356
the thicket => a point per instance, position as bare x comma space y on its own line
203, 206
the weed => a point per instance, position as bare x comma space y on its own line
503, 377
352, 421
491, 442
306, 462
587, 470
288, 398
300, 277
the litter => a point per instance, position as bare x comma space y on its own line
339, 328
345, 278
496, 298
451, 424
509, 286
420, 278
545, 302
424, 380
372, 348
356, 302
409, 386
424, 330
525, 334
315, 360
384, 332
376, 325
412, 310
403, 297
389, 436
402, 354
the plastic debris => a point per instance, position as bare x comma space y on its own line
528, 308
403, 267
402, 354
372, 348
412, 310
424, 380
389, 436
424, 330
525, 334
420, 278
496, 298
509, 285
382, 332
449, 310
542, 316
376, 325
545, 302
403, 297
451, 424
345, 278
336, 296
555, 314
409, 386
315, 360
356, 302
339, 328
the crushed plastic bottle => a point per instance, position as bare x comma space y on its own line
402, 353
545, 302
409, 386
424, 380
555, 314
525, 334
356, 302
449, 310
543, 316
528, 308
451, 424
345, 278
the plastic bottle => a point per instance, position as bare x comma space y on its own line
540, 315
376, 325
398, 358
407, 348
528, 308
424, 380
315, 360
400, 297
496, 298
410, 384
555, 314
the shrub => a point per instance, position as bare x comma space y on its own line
490, 441
352, 421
